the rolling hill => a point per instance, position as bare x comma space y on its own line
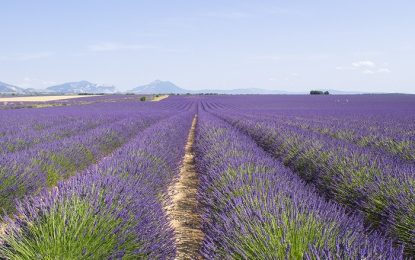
10, 89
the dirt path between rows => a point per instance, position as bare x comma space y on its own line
159, 98
183, 211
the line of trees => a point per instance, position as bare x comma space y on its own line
319, 92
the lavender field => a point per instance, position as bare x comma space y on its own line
209, 177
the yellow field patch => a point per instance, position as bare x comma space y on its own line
41, 98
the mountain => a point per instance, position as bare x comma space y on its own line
159, 87
245, 91
33, 91
81, 87
166, 87
155, 87
10, 89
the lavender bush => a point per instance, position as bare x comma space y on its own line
366, 179
281, 177
255, 208
115, 209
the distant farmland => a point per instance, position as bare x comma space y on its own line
39, 98
208, 177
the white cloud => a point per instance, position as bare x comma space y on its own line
364, 64
112, 46
366, 67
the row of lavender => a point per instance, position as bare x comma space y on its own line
381, 188
82, 100
22, 128
392, 139
382, 122
113, 209
368, 180
255, 208
14, 122
28, 138
51, 153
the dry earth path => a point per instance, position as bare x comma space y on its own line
184, 208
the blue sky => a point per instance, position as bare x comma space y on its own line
360, 45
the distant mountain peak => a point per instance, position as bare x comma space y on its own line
82, 86
158, 86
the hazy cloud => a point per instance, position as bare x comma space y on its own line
294, 57
26, 56
30, 82
112, 46
253, 11
384, 70
364, 64
267, 57
227, 15
285, 76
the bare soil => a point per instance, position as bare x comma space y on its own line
161, 97
184, 209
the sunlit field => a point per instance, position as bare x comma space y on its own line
213, 177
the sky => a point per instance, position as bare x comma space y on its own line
297, 45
